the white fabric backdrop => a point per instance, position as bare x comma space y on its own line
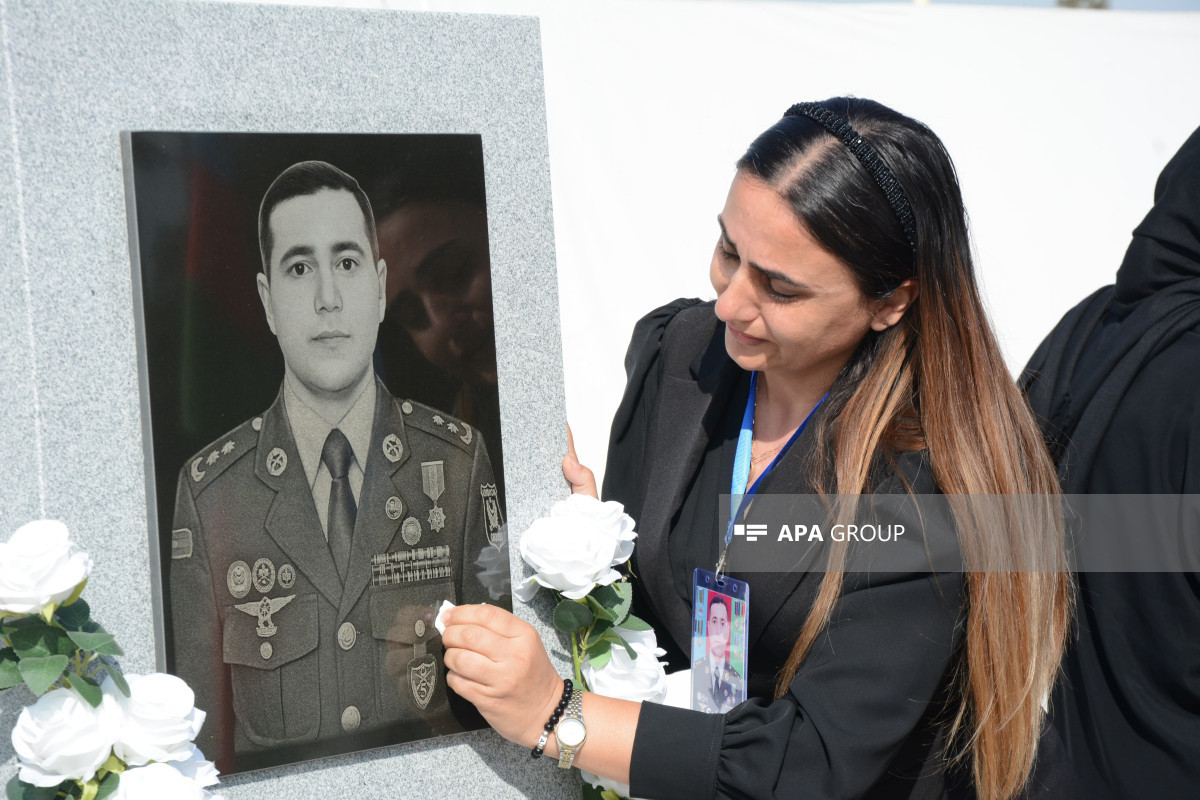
1058, 120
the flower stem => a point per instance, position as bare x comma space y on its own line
575, 658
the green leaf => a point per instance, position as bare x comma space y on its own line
34, 640
87, 689
616, 598
13, 789
601, 627
589, 792
598, 608
41, 673
103, 643
609, 794
10, 675
599, 655
117, 676
570, 616
74, 616
615, 638
108, 785
636, 623
16, 790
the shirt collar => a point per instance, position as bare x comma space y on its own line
310, 430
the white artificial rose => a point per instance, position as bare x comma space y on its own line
158, 781
639, 679
198, 768
575, 547
39, 566
61, 737
159, 720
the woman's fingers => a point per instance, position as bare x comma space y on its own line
477, 639
580, 477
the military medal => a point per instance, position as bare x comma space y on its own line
287, 576
410, 531
238, 579
493, 521
264, 575
393, 448
263, 609
394, 507
433, 481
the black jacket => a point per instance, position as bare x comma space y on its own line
1116, 388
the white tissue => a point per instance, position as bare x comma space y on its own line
438, 622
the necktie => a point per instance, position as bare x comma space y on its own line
336, 455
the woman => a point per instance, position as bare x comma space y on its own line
845, 292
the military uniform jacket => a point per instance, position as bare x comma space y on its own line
279, 651
714, 691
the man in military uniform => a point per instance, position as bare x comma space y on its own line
312, 545
714, 681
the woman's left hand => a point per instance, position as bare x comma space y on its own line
497, 662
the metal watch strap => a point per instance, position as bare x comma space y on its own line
566, 755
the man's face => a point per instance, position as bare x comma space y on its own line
325, 299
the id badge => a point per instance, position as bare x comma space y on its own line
720, 614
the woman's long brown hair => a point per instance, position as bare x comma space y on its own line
936, 381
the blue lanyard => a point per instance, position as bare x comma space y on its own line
741, 460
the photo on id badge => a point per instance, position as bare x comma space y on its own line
720, 608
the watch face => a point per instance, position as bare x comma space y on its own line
570, 732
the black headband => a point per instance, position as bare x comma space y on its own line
866, 156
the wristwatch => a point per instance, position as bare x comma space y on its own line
571, 732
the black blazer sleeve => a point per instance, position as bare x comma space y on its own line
623, 478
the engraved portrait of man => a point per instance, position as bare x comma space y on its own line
312, 544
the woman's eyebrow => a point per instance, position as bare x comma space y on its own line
770, 274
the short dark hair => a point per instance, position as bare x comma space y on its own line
305, 178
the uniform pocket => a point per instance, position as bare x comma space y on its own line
273, 667
402, 621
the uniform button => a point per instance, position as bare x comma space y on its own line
347, 635
351, 719
419, 628
266, 650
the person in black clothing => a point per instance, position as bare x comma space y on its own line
846, 298
1115, 389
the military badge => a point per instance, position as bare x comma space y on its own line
422, 676
394, 508
213, 457
450, 426
228, 448
393, 448
410, 531
238, 579
276, 462
466, 436
493, 517
287, 576
437, 420
263, 609
197, 473
433, 481
264, 575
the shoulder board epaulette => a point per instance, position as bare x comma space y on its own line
439, 423
210, 462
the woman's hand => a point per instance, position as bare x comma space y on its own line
580, 477
497, 661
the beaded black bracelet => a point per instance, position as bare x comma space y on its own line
568, 687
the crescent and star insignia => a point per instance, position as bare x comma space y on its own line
276, 462
263, 609
213, 457
450, 426
393, 448
197, 473
228, 448
466, 437
238, 579
437, 420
